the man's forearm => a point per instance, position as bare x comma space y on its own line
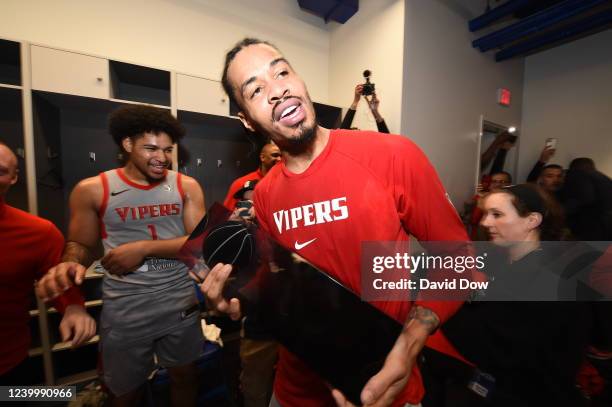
426, 318
77, 253
377, 116
348, 119
534, 174
168, 248
419, 325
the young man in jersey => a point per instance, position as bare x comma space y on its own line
269, 155
333, 190
143, 212
29, 246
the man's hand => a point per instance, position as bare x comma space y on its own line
77, 325
356, 97
238, 213
374, 102
58, 279
386, 385
481, 190
125, 258
546, 154
502, 138
212, 288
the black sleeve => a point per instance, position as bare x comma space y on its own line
382, 126
535, 171
348, 119
498, 162
578, 192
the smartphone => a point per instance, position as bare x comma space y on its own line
551, 143
244, 207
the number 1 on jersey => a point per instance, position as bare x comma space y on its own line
153, 231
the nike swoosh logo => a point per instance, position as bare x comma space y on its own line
119, 192
300, 246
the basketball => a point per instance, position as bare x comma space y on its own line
229, 243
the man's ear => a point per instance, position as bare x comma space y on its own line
15, 177
128, 144
245, 121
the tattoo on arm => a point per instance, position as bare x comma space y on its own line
425, 316
77, 253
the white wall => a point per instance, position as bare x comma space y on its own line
372, 39
568, 95
189, 36
448, 85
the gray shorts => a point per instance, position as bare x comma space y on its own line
127, 362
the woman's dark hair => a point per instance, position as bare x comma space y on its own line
136, 120
528, 198
582, 164
229, 57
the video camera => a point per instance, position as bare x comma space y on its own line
368, 87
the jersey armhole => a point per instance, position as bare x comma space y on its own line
103, 206
179, 185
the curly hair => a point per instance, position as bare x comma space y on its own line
135, 120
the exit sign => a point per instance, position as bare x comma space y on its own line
503, 97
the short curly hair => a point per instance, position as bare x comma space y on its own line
136, 120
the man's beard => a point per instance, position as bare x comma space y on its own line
297, 145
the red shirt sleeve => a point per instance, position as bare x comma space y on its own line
230, 201
260, 210
51, 255
425, 209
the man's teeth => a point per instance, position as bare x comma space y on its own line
288, 111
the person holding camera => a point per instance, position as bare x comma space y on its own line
549, 177
365, 90
497, 152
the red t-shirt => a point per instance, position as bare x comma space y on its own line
29, 247
230, 201
378, 188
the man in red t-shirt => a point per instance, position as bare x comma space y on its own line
269, 155
332, 191
29, 246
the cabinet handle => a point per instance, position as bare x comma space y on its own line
99, 79
223, 100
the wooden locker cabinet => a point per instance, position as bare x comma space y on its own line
201, 95
70, 73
